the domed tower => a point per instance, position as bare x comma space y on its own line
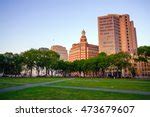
83, 38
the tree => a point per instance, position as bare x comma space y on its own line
2, 59
8, 63
143, 54
29, 59
78, 66
17, 64
120, 61
144, 50
91, 66
81, 67
133, 71
103, 62
63, 66
54, 59
49, 60
40, 59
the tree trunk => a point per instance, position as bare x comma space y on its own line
64, 73
79, 73
96, 73
46, 72
117, 73
93, 73
52, 73
38, 71
3, 72
103, 73
31, 72
84, 74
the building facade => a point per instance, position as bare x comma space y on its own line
116, 33
43, 49
61, 51
143, 69
82, 50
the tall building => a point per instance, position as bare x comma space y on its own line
116, 33
43, 49
82, 50
61, 51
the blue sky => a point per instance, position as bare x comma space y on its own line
26, 24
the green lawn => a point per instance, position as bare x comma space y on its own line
5, 85
127, 84
27, 80
9, 82
48, 92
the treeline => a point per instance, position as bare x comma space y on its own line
48, 61
15, 64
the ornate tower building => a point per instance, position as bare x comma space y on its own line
82, 50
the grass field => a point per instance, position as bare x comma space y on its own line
8, 82
75, 88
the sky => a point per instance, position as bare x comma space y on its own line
26, 24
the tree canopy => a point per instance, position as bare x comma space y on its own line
49, 61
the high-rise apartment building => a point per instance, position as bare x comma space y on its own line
61, 51
116, 33
82, 50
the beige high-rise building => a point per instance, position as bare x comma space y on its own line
82, 50
61, 51
116, 33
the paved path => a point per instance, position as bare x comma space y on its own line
16, 88
103, 89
